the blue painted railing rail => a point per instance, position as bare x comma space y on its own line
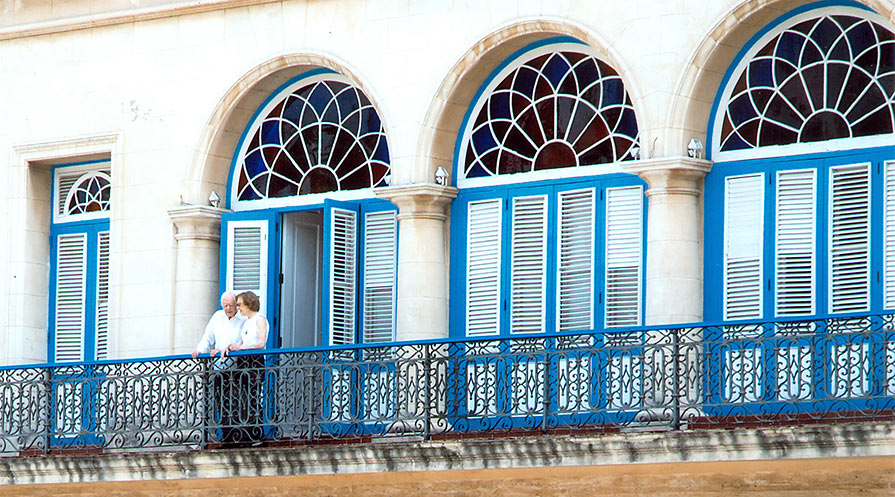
837, 369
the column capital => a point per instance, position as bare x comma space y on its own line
671, 175
420, 200
196, 222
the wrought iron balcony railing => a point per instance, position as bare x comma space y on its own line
825, 370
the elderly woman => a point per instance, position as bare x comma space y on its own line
254, 331
251, 367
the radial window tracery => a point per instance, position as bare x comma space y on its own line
321, 135
559, 107
90, 193
825, 77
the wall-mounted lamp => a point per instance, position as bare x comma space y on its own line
441, 176
214, 199
694, 149
387, 179
635, 153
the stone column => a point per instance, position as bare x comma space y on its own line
197, 269
422, 306
674, 238
673, 285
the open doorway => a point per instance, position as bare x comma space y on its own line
301, 279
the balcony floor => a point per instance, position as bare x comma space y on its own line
838, 459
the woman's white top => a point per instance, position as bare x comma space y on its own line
250, 330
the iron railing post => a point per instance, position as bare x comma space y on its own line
677, 363
48, 422
208, 405
427, 394
312, 402
545, 392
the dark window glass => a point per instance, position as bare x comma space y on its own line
325, 136
560, 109
823, 78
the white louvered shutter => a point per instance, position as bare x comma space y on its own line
102, 296
380, 262
343, 276
795, 243
743, 227
71, 279
850, 238
247, 258
889, 237
575, 264
483, 233
528, 269
624, 244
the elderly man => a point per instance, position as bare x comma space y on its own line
223, 329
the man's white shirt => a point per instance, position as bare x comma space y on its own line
221, 331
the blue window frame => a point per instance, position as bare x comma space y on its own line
557, 256
823, 226
325, 277
79, 263
547, 231
306, 234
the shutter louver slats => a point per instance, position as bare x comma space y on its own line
483, 267
889, 236
850, 238
529, 265
102, 296
380, 243
71, 278
795, 235
343, 258
247, 258
624, 235
575, 260
65, 183
744, 213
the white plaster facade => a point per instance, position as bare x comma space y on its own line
165, 88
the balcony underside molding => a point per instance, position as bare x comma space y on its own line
795, 442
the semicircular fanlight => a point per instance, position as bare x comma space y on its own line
320, 136
90, 193
553, 109
821, 78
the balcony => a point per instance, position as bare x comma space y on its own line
835, 370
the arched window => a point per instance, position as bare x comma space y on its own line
799, 203
79, 255
318, 135
547, 232
307, 233
557, 106
818, 78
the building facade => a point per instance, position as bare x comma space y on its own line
383, 172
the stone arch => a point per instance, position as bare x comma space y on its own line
211, 163
445, 115
695, 92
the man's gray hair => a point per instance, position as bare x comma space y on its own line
228, 293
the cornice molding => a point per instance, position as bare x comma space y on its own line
122, 17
